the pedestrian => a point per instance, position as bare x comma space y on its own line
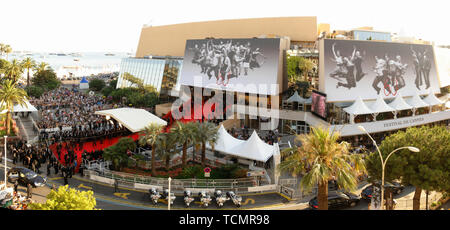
49, 166
116, 185
29, 190
16, 184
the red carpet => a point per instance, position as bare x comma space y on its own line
89, 147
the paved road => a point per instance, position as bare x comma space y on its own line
131, 199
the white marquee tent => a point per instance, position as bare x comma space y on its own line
432, 100
134, 120
19, 108
254, 148
296, 98
380, 106
399, 104
416, 102
358, 108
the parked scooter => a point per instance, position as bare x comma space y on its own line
235, 198
166, 196
220, 198
188, 198
154, 195
205, 198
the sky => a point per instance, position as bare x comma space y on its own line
115, 25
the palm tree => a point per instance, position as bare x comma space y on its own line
13, 70
7, 49
184, 134
2, 49
166, 146
321, 158
28, 63
149, 136
10, 95
41, 67
205, 132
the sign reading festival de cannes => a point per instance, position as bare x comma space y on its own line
368, 68
239, 65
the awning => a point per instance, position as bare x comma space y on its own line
19, 108
399, 104
253, 149
358, 108
432, 100
416, 102
134, 120
84, 80
296, 98
380, 106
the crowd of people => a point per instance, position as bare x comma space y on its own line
64, 107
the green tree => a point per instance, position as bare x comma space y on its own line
166, 144
297, 67
149, 136
113, 83
183, 132
428, 169
28, 63
34, 91
46, 79
320, 158
203, 133
96, 84
10, 94
139, 83
7, 50
43, 66
117, 153
65, 198
13, 70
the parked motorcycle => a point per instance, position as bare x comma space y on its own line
188, 198
166, 196
205, 198
220, 198
154, 195
235, 198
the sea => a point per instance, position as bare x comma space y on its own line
83, 64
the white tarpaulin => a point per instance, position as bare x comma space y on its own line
19, 108
432, 100
380, 106
133, 119
399, 104
296, 98
358, 108
416, 102
254, 148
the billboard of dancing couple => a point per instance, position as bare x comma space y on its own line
226, 59
372, 68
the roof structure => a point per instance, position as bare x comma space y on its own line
133, 119
399, 104
358, 108
432, 100
296, 98
84, 80
416, 102
19, 108
254, 148
380, 106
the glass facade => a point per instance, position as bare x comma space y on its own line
371, 35
163, 74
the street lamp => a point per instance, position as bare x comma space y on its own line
168, 202
383, 162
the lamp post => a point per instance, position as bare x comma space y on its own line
168, 202
5, 159
383, 162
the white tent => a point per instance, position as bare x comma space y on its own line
358, 108
416, 102
432, 100
399, 104
380, 106
296, 98
19, 108
134, 120
254, 148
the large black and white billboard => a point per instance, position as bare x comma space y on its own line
240, 65
369, 68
